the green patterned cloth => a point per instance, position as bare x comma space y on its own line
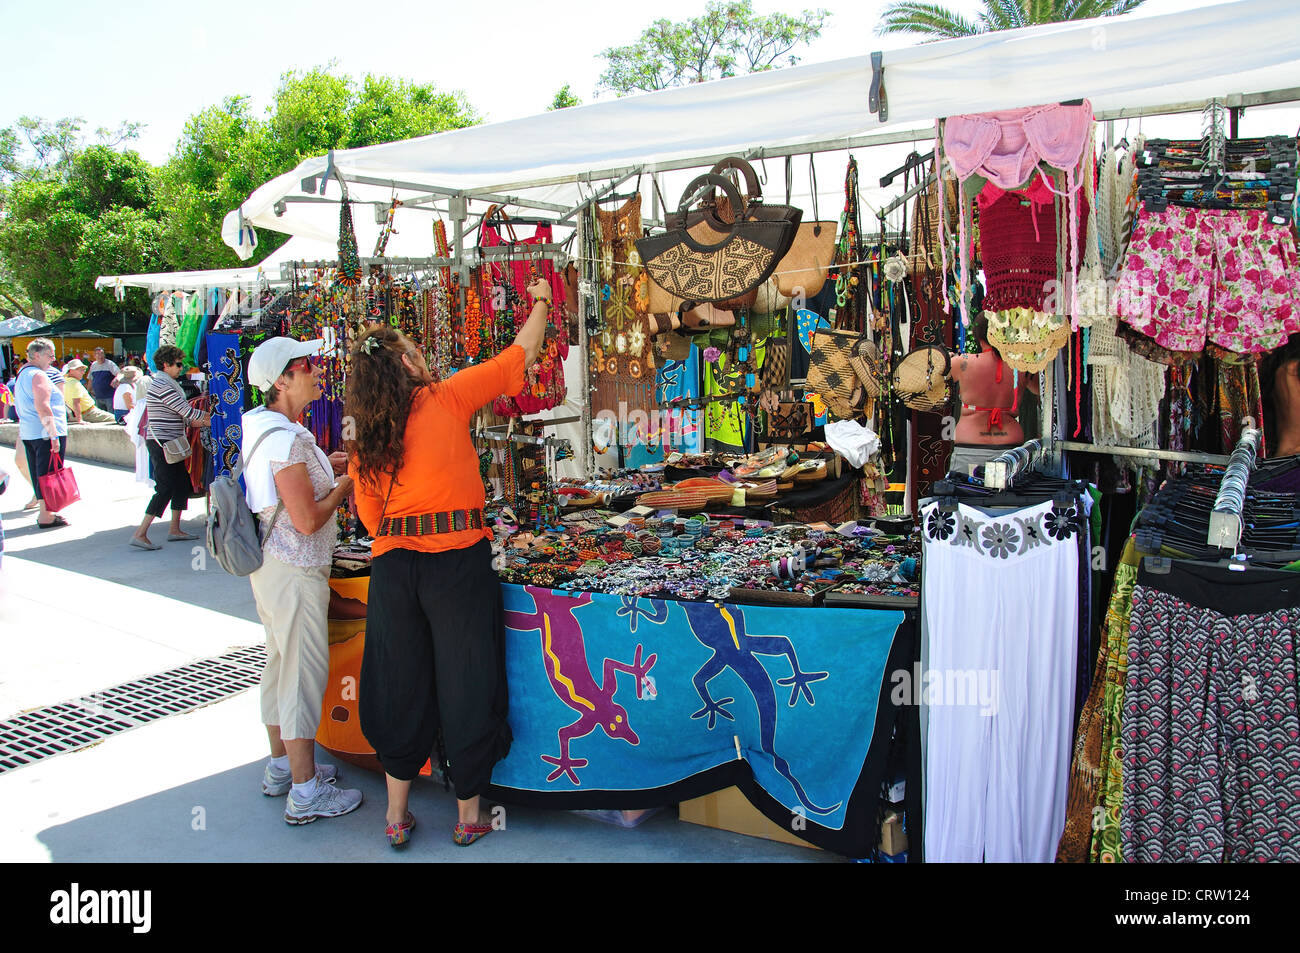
1106, 845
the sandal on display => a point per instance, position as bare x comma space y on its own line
399, 835
466, 834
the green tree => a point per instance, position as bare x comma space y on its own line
727, 40
85, 212
52, 186
225, 152
564, 99
936, 22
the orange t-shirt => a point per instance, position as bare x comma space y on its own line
439, 471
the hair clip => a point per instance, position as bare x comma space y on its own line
371, 344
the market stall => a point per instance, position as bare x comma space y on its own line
861, 457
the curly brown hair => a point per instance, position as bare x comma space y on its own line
378, 401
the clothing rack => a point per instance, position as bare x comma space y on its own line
1225, 519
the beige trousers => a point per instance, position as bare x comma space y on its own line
293, 603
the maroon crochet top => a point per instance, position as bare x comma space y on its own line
1018, 246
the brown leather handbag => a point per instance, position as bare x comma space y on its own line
804, 268
742, 257
706, 317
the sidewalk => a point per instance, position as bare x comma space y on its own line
81, 611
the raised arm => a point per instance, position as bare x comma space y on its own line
533, 333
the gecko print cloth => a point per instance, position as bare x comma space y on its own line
227, 390
625, 702
1211, 736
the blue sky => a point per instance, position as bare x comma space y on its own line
158, 63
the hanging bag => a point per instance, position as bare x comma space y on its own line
921, 379
58, 486
830, 370
806, 264
735, 264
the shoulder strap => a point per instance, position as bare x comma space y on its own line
236, 473
243, 462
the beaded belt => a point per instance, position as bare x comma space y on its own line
427, 524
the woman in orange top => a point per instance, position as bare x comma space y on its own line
434, 660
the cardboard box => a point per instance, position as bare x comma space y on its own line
728, 810
893, 837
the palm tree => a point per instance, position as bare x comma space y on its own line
939, 23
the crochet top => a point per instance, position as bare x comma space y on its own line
1006, 146
1018, 243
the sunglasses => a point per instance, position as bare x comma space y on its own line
303, 364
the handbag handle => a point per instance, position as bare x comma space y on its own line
753, 190
812, 179
754, 193
692, 190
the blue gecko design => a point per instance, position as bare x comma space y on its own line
717, 628
658, 613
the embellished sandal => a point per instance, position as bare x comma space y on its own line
399, 835
466, 834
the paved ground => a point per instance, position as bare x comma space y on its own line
81, 611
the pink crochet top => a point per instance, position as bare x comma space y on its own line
1005, 146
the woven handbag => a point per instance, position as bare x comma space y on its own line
775, 373
830, 369
921, 379
742, 258
869, 367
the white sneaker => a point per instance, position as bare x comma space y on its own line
329, 801
276, 783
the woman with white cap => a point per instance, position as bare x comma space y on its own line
295, 489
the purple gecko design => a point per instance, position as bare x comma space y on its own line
564, 654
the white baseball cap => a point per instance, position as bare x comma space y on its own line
272, 356
72, 365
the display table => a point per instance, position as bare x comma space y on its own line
625, 703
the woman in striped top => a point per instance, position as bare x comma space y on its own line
169, 414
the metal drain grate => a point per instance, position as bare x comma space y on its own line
58, 729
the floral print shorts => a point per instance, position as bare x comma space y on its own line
1225, 275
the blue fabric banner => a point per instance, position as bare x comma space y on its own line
227, 390
619, 694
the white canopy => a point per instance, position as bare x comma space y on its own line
1122, 64
412, 244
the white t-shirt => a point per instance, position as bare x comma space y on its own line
119, 395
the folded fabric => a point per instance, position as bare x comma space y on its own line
852, 441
